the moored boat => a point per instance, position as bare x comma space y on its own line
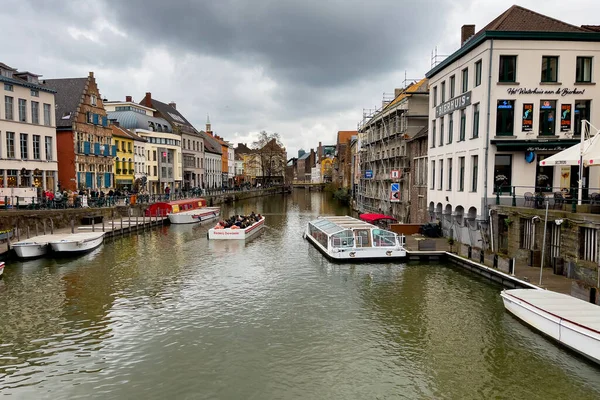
77, 242
222, 232
36, 246
1, 268
196, 215
349, 239
164, 208
571, 322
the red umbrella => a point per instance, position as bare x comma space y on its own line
375, 217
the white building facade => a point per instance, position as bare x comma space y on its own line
502, 103
27, 134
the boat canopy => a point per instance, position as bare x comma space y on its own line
331, 225
371, 218
164, 208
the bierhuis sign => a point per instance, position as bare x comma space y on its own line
457, 103
555, 92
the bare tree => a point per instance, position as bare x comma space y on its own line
271, 155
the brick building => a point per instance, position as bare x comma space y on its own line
417, 193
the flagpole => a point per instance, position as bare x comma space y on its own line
580, 181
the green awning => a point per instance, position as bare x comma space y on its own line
534, 145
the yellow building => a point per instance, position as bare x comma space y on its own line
124, 161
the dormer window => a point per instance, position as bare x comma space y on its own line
151, 125
159, 127
8, 87
93, 99
35, 93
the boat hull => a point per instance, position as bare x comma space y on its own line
236, 234
359, 254
577, 337
73, 246
1, 269
194, 216
30, 250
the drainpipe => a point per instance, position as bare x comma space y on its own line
491, 231
487, 134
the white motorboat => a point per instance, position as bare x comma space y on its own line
196, 215
1, 268
36, 246
571, 322
349, 239
237, 234
77, 242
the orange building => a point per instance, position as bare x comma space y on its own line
224, 156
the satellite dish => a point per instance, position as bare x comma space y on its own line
529, 156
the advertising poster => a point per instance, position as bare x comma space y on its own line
565, 118
527, 117
565, 177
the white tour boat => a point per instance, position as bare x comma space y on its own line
572, 322
196, 215
1, 268
77, 242
36, 246
239, 234
347, 238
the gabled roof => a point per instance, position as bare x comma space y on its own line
413, 88
345, 136
168, 112
519, 23
422, 133
69, 93
304, 156
124, 133
243, 149
210, 144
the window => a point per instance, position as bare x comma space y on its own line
49, 148
463, 124
452, 86
549, 69
441, 174
36, 147
163, 172
93, 99
433, 133
505, 116
443, 90
22, 110
582, 112
155, 170
47, 120
461, 174
24, 147
588, 244
526, 234
547, 117
154, 156
465, 80
432, 174
435, 96
8, 107
10, 144
583, 71
508, 69
450, 127
8, 87
503, 173
35, 93
544, 176
474, 172
442, 131
449, 174
35, 112
478, 73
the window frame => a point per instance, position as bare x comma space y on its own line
505, 131
544, 76
461, 174
474, 172
503, 70
478, 68
579, 69
465, 80
450, 127
452, 86
463, 125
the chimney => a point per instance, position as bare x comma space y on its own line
91, 74
128, 99
466, 32
114, 122
148, 100
173, 104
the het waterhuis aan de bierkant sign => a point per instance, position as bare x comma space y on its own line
457, 103
560, 91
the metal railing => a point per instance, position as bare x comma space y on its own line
536, 196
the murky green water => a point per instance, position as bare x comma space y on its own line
167, 314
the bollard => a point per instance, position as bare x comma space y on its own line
72, 225
51, 226
17, 232
44, 225
36, 229
103, 225
28, 236
93, 224
514, 198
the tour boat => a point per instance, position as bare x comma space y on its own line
572, 322
77, 242
196, 215
349, 239
36, 246
1, 268
240, 234
164, 208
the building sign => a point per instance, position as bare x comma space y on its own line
369, 174
559, 91
565, 118
457, 103
527, 117
395, 192
395, 174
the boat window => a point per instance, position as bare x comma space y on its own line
383, 238
363, 238
342, 239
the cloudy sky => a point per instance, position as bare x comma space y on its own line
303, 68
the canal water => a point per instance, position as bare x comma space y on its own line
168, 314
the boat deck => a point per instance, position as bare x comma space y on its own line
561, 306
42, 239
82, 236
